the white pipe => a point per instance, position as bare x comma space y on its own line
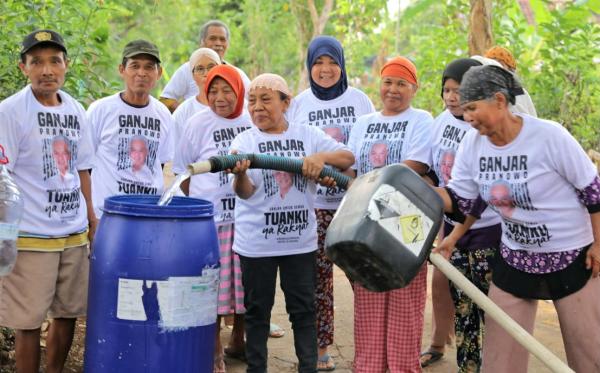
501, 317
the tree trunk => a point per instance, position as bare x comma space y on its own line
480, 30
310, 23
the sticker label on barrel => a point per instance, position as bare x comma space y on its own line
174, 304
400, 217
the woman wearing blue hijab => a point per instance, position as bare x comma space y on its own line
334, 107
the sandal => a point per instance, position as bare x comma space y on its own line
325, 363
434, 356
236, 353
275, 331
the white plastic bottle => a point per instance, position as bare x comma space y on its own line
11, 210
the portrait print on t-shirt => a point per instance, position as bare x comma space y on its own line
505, 188
59, 135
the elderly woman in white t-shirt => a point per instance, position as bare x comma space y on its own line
388, 325
541, 183
276, 227
201, 62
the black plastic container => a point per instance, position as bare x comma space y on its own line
384, 228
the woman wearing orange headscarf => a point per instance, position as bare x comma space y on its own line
388, 325
206, 134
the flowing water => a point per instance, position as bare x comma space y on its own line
168, 194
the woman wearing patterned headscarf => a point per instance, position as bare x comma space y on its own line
276, 228
474, 251
332, 106
539, 180
207, 134
388, 325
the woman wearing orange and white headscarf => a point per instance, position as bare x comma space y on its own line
388, 325
209, 133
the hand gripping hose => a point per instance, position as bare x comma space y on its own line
264, 161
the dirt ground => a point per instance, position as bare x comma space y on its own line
281, 352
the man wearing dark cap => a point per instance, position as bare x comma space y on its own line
51, 273
122, 121
214, 34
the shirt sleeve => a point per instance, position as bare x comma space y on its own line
420, 142
590, 196
176, 87
9, 137
462, 181
166, 142
353, 142
571, 162
184, 151
85, 147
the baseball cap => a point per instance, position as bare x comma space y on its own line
43, 36
135, 47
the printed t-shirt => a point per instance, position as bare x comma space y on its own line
336, 118
279, 218
531, 184
182, 84
205, 135
46, 146
131, 143
378, 140
185, 111
448, 132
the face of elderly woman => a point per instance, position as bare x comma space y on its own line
396, 94
267, 109
201, 69
221, 98
325, 72
483, 114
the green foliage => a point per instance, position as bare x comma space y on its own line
83, 25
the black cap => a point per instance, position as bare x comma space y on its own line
135, 47
43, 37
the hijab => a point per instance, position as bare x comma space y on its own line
233, 78
327, 46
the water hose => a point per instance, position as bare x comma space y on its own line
264, 161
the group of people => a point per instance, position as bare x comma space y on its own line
520, 195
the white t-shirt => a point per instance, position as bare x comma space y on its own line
182, 84
279, 218
185, 111
205, 135
448, 132
335, 117
378, 140
117, 129
46, 146
531, 183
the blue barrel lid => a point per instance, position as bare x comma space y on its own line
147, 206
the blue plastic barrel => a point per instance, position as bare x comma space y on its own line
152, 300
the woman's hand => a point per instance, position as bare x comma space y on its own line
327, 181
240, 166
446, 247
592, 259
312, 166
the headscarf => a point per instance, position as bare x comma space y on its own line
482, 82
233, 78
503, 56
486, 61
273, 82
327, 46
401, 67
202, 52
456, 69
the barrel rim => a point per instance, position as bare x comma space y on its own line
144, 205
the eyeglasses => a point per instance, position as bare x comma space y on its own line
201, 70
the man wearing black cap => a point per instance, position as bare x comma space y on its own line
51, 273
123, 121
